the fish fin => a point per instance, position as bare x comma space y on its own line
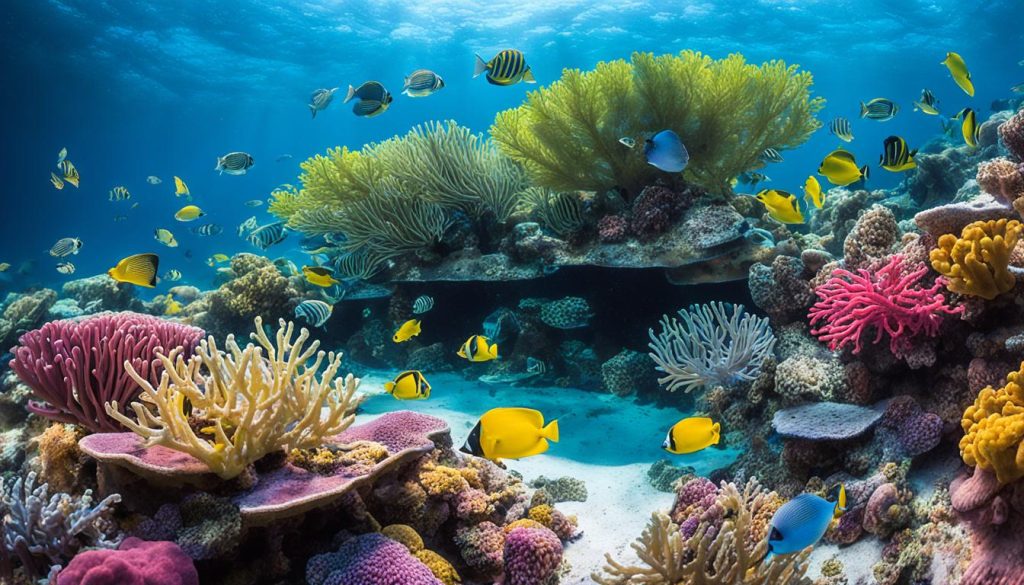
865, 172
480, 66
312, 109
528, 76
493, 351
351, 94
390, 388
550, 432
863, 110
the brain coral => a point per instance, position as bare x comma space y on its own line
531, 556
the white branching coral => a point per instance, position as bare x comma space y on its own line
251, 401
710, 346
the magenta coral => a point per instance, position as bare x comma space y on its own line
531, 556
135, 562
891, 301
369, 559
78, 366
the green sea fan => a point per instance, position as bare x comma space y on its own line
726, 112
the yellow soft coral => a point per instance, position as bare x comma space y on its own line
994, 430
439, 480
257, 404
542, 514
977, 263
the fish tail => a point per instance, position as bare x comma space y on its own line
528, 76
312, 109
863, 110
865, 172
351, 94
550, 432
389, 387
493, 350
480, 67
220, 161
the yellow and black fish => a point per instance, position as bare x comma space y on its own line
409, 385
70, 172
782, 206
119, 193
57, 182
880, 109
812, 192
319, 276
139, 269
691, 435
374, 99
478, 349
172, 275
896, 155
927, 103
165, 237
840, 128
969, 126
510, 433
840, 168
506, 68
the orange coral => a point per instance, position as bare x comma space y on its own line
439, 480
60, 459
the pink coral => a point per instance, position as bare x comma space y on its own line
369, 559
1001, 178
891, 301
134, 562
1012, 133
78, 366
482, 547
994, 518
612, 228
531, 556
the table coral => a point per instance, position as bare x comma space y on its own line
135, 561
79, 366
369, 559
977, 263
994, 430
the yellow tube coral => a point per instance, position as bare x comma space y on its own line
994, 430
977, 263
253, 404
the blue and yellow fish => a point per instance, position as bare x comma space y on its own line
506, 68
802, 521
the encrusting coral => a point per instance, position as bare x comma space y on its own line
726, 112
977, 263
994, 430
249, 404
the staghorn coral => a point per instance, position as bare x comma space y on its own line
710, 346
135, 562
732, 556
254, 405
977, 263
726, 112
78, 366
994, 430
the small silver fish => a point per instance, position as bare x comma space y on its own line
316, 313
266, 236
283, 158
172, 275
771, 155
66, 268
63, 154
254, 203
320, 99
119, 193
234, 163
627, 142
153, 180
422, 304
421, 83
210, 229
65, 247
247, 226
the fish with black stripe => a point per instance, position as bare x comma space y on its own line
896, 155
320, 99
316, 313
422, 82
209, 229
771, 155
69, 171
266, 236
65, 247
840, 128
172, 275
927, 103
119, 193
374, 99
234, 163
409, 385
138, 269
969, 127
247, 226
508, 67
879, 109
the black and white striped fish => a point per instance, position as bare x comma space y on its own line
508, 67
840, 128
119, 193
247, 226
70, 172
65, 247
374, 99
320, 99
422, 304
234, 163
880, 109
209, 229
316, 313
421, 83
172, 275
771, 155
266, 236
66, 268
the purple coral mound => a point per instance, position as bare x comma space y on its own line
913, 430
482, 547
369, 559
693, 499
655, 210
78, 366
612, 228
531, 556
135, 562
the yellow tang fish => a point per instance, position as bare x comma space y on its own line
958, 69
840, 168
57, 182
691, 435
782, 206
165, 237
189, 213
139, 269
812, 192
410, 385
319, 276
478, 349
407, 331
181, 189
510, 433
969, 126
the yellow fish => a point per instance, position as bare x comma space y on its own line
319, 276
840, 168
896, 155
478, 349
139, 269
57, 182
812, 192
781, 205
165, 237
4, 266
969, 126
409, 385
691, 435
173, 307
189, 213
407, 331
958, 69
216, 259
70, 172
510, 433
181, 189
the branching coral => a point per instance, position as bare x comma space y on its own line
891, 301
710, 346
994, 430
253, 404
977, 263
727, 112
732, 556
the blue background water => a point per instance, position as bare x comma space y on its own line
135, 89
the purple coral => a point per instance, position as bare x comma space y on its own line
531, 556
482, 546
907, 430
78, 366
135, 562
369, 559
612, 228
655, 210
693, 499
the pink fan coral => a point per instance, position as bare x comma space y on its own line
78, 366
892, 301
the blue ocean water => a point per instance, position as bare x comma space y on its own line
136, 88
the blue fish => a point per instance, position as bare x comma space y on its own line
802, 521
665, 151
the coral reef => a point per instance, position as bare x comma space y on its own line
133, 561
23, 313
994, 430
255, 288
977, 263
369, 559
